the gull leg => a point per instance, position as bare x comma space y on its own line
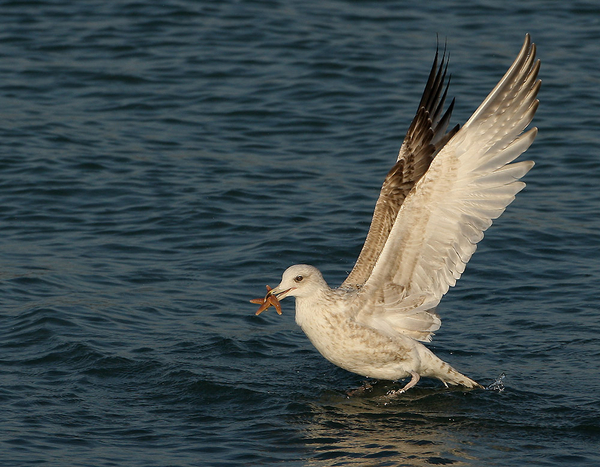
414, 380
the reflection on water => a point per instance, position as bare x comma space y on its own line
418, 428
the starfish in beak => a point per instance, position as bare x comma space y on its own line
265, 303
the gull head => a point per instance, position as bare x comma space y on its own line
300, 280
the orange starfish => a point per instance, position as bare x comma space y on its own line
265, 303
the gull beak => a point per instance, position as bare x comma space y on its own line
280, 294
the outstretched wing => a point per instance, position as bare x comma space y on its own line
425, 136
469, 183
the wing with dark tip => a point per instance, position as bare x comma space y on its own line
469, 183
424, 139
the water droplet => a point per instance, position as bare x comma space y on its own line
497, 385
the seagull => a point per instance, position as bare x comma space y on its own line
442, 193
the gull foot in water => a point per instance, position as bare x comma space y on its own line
366, 387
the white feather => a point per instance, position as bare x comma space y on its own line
467, 186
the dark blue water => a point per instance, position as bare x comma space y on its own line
160, 162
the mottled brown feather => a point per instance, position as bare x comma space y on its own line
424, 139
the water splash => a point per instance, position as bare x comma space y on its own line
498, 384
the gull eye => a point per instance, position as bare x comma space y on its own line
298, 278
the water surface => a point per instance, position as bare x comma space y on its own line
161, 163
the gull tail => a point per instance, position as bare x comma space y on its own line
449, 376
435, 367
